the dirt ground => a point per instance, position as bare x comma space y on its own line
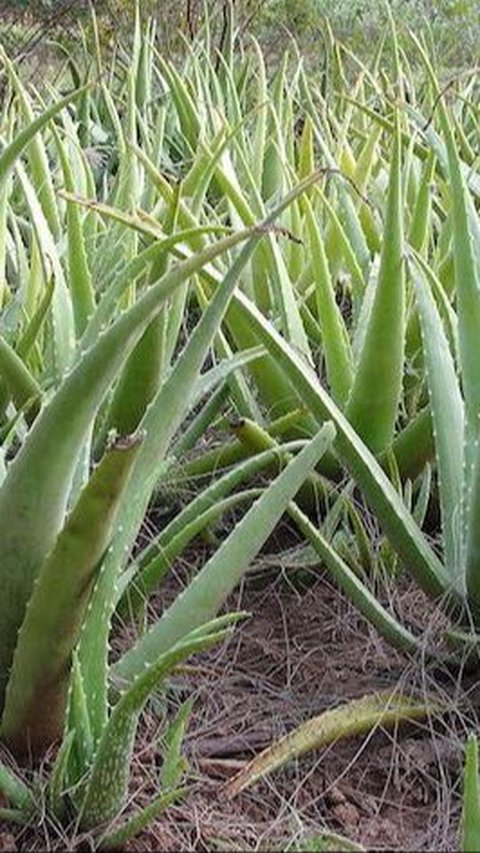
304, 649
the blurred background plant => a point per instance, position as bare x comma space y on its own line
451, 26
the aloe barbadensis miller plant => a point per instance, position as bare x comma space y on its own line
330, 319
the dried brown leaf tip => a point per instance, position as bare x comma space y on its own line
126, 442
279, 231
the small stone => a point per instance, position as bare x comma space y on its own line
7, 843
335, 796
347, 814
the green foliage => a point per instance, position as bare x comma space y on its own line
183, 244
452, 26
471, 798
85, 289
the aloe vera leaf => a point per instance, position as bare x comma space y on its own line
419, 230
196, 183
38, 481
143, 583
467, 273
437, 143
397, 66
77, 720
4, 199
444, 307
117, 839
30, 335
138, 383
447, 409
201, 422
396, 522
471, 798
414, 446
470, 176
356, 590
284, 297
212, 461
357, 717
336, 344
36, 153
286, 304
186, 219
128, 183
467, 280
142, 61
366, 159
57, 607
107, 786
57, 779
12, 151
214, 493
362, 538
423, 497
342, 241
223, 370
373, 403
257, 439
185, 107
118, 246
348, 213
174, 762
109, 300
24, 389
261, 97
275, 393
143, 222
15, 790
211, 586
79, 276
62, 316
161, 421
466, 243
364, 167
144, 369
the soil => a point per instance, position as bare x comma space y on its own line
303, 650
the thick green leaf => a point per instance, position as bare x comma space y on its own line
24, 389
106, 791
448, 425
471, 799
206, 594
396, 521
357, 717
356, 590
335, 340
15, 790
375, 396
117, 839
161, 421
34, 495
12, 151
57, 607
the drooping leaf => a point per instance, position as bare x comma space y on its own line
357, 717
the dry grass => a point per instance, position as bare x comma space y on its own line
304, 649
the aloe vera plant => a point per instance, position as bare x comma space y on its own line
318, 286
65, 556
394, 300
